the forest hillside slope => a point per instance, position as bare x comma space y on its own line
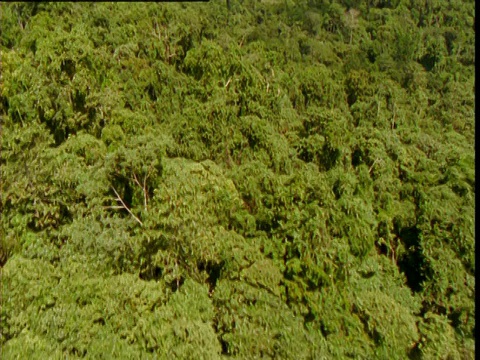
276, 179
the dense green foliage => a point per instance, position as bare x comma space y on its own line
276, 179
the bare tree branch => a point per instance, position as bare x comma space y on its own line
126, 207
371, 167
144, 189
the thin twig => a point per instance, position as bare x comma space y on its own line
241, 42
136, 180
126, 207
145, 192
144, 189
371, 167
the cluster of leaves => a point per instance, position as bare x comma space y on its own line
275, 179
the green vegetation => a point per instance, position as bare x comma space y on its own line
268, 179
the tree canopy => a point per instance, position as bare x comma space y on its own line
242, 179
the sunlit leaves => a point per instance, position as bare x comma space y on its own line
275, 179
